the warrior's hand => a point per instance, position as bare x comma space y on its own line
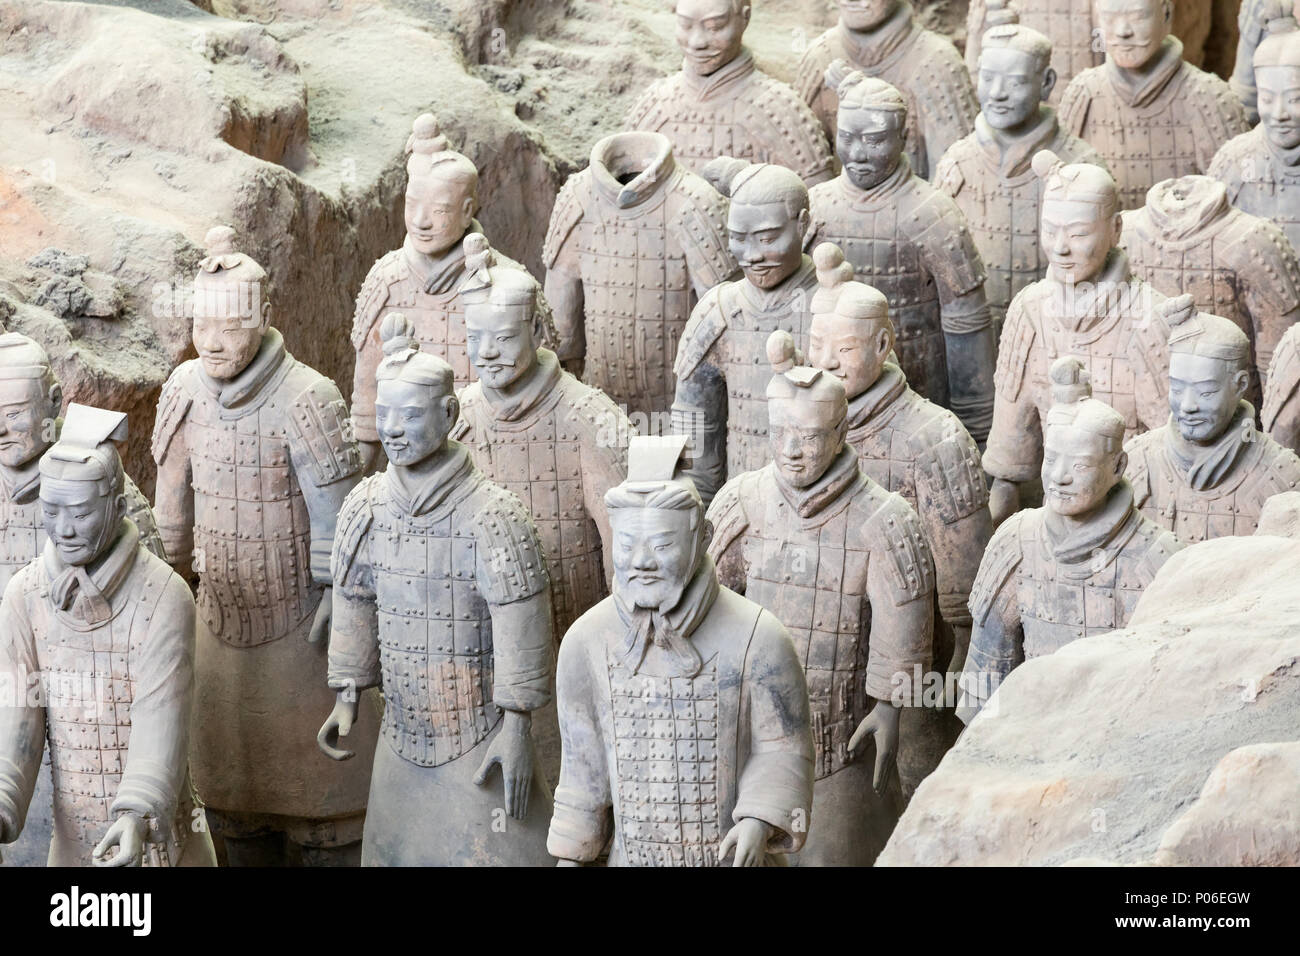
127, 834
749, 839
882, 724
512, 748
338, 724
320, 625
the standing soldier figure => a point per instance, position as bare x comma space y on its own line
255, 457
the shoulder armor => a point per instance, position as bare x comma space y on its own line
1075, 101
948, 177
1161, 546
647, 113
910, 556
173, 405
1270, 261
1282, 473
810, 75
700, 227
791, 128
951, 467
1283, 377
141, 514
1219, 108
511, 562
603, 422
943, 84
354, 521
471, 397
727, 513
1001, 558
318, 424
1138, 471
566, 214
947, 237
1150, 342
1013, 351
373, 296
705, 326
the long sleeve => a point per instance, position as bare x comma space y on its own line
162, 669
604, 465
997, 644
776, 782
22, 725
1271, 291
173, 508
899, 599
727, 516
354, 624
700, 411
564, 289
954, 512
583, 802
1014, 451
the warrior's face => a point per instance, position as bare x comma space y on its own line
1279, 104
1078, 471
710, 32
1133, 30
869, 144
1077, 237
1204, 394
500, 342
439, 211
1011, 86
853, 350
865, 14
766, 240
413, 420
805, 437
655, 552
27, 414
80, 521
230, 318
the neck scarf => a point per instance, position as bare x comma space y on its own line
271, 357
511, 406
1140, 89
827, 489
1204, 466
85, 594
671, 630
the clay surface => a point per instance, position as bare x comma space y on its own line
1253, 19
1281, 411
683, 706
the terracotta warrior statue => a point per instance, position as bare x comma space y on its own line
843, 563
104, 629
1208, 472
720, 104
1073, 568
911, 242
255, 457
1067, 26
683, 705
917, 449
1281, 412
420, 279
1252, 27
1188, 238
635, 241
988, 173
1089, 305
882, 39
1261, 169
442, 599
1151, 114
721, 379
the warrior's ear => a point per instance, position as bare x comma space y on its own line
1049, 83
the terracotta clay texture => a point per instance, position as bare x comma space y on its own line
1260, 168
683, 705
810, 532
1252, 27
988, 172
1208, 472
1090, 305
1188, 238
1068, 25
442, 599
881, 39
1150, 114
100, 610
1074, 568
919, 450
635, 241
1281, 412
721, 104
721, 376
254, 460
909, 240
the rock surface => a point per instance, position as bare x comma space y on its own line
1170, 742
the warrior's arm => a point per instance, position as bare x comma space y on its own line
583, 802
604, 465
565, 293
22, 714
727, 517
957, 543
971, 347
354, 624
997, 644
174, 503
700, 411
900, 608
523, 653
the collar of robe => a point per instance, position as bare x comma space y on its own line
1012, 157
1141, 89
248, 384
532, 393
1205, 466
870, 49
85, 592
826, 490
412, 495
883, 392
1101, 535
721, 79
437, 275
671, 630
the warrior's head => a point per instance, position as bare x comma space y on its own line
1015, 76
865, 15
1134, 30
505, 320
871, 125
415, 400
1081, 219
1277, 81
711, 33
232, 310
82, 484
851, 334
441, 190
657, 520
1083, 444
1209, 362
30, 400
807, 414
768, 218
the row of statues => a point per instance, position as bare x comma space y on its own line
635, 564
